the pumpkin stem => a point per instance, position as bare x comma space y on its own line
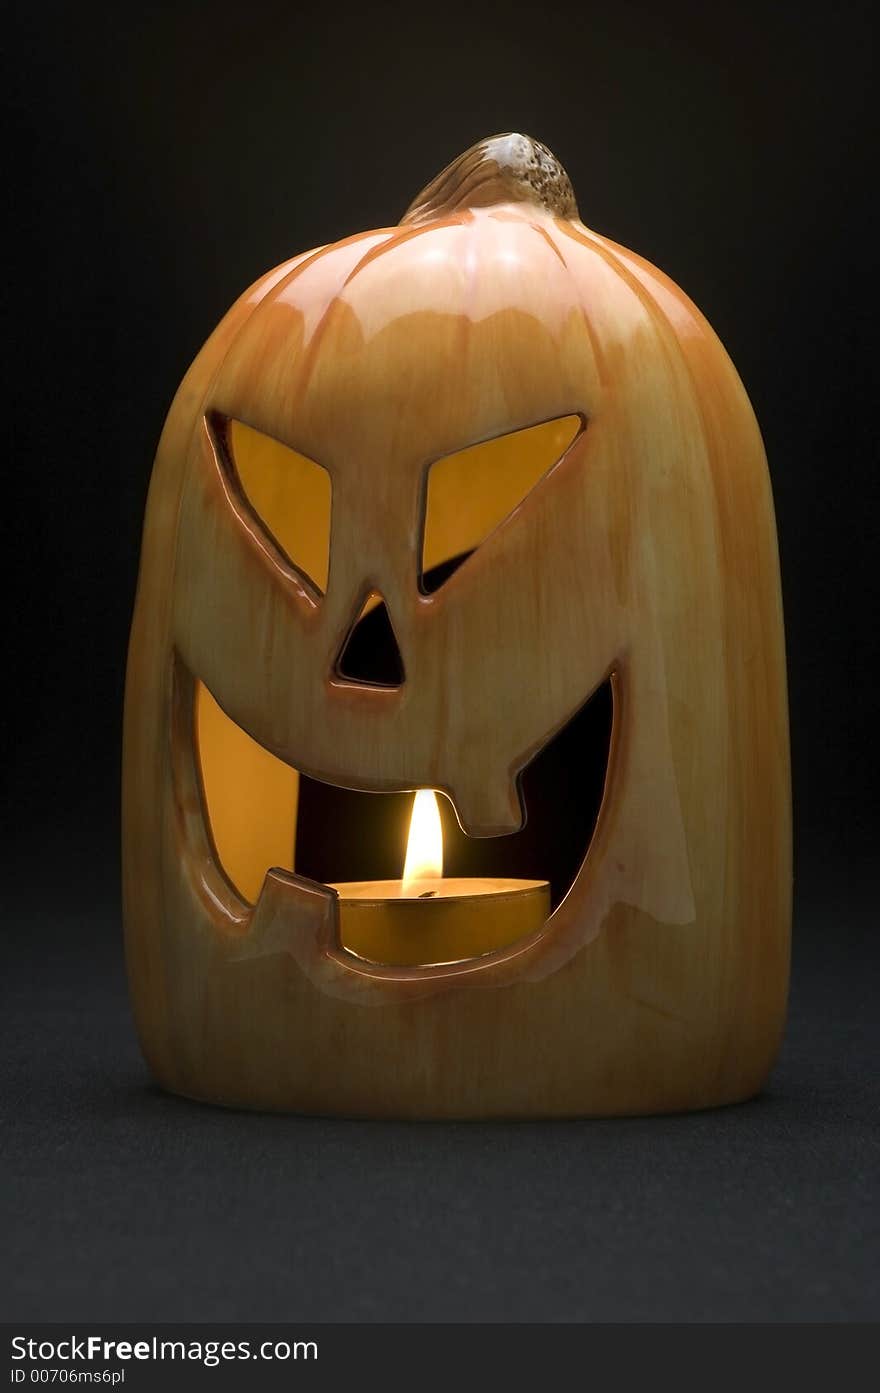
509, 168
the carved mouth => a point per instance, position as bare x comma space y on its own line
259, 815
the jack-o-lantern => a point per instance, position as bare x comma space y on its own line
492, 390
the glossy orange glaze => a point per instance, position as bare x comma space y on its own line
647, 553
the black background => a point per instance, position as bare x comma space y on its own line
162, 158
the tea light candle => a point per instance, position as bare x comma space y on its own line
426, 918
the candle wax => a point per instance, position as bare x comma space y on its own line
437, 920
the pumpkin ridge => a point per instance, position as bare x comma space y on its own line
397, 238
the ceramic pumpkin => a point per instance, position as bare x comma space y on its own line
626, 534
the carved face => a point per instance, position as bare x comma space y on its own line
329, 446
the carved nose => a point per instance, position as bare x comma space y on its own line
370, 653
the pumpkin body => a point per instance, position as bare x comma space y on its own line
647, 555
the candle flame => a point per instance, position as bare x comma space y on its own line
424, 848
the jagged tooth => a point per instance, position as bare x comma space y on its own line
489, 810
292, 915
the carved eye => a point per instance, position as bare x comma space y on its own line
288, 494
470, 493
